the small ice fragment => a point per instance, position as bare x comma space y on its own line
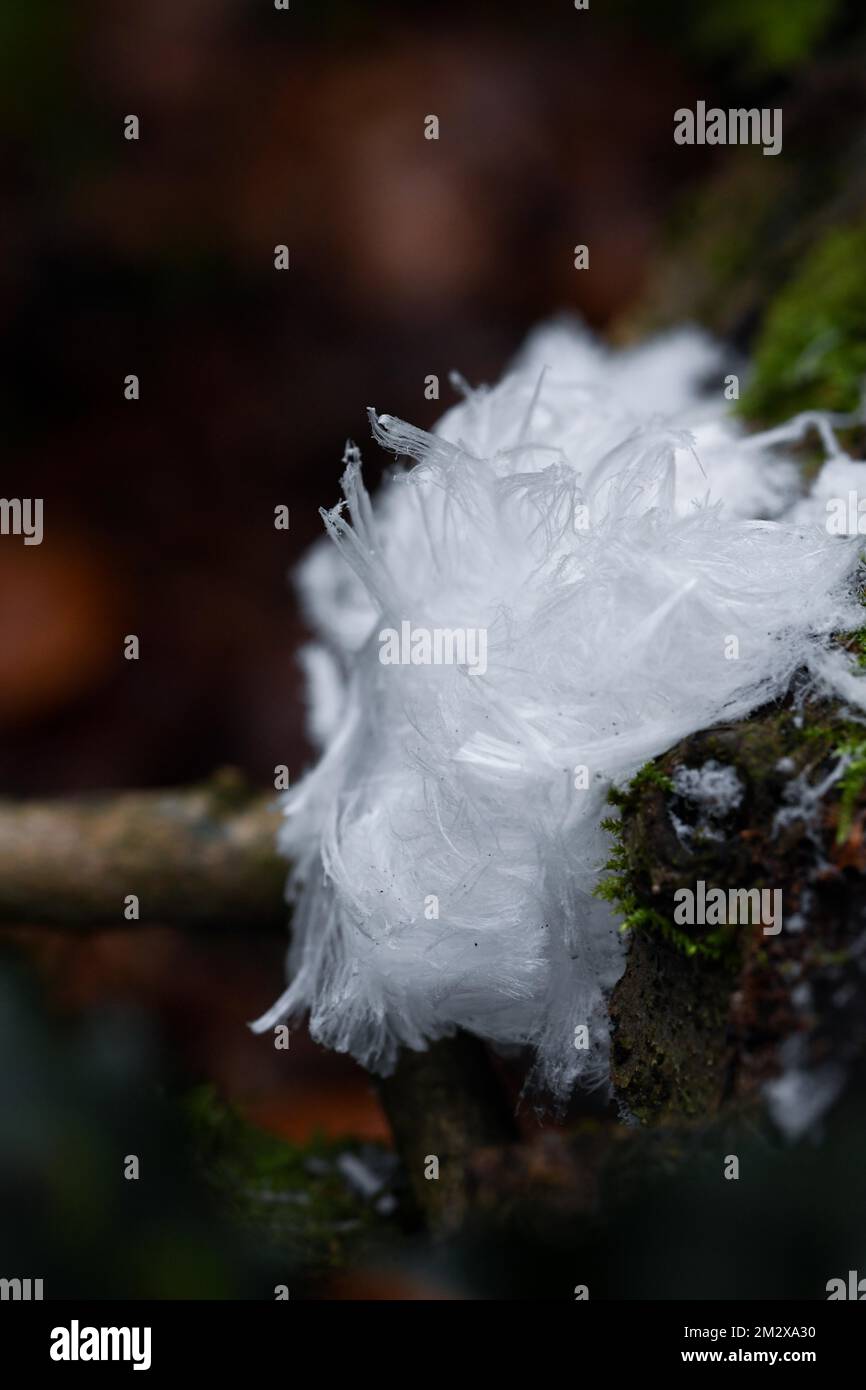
358, 1176
799, 1098
715, 788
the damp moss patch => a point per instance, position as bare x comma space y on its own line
811, 350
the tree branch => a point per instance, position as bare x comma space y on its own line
193, 856
445, 1103
206, 856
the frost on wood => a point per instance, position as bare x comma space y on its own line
625, 548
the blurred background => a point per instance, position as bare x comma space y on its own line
409, 257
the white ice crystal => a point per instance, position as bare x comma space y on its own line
713, 791
623, 545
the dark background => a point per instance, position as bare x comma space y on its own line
155, 257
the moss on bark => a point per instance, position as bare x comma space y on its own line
704, 1016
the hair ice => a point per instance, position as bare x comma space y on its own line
611, 529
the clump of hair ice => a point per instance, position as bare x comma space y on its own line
642, 568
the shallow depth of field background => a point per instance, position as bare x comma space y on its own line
408, 257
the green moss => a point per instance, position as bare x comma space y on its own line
618, 886
811, 351
851, 785
763, 36
756, 38
819, 733
288, 1194
650, 776
855, 642
718, 945
848, 739
617, 890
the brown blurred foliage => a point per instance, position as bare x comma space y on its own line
155, 257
